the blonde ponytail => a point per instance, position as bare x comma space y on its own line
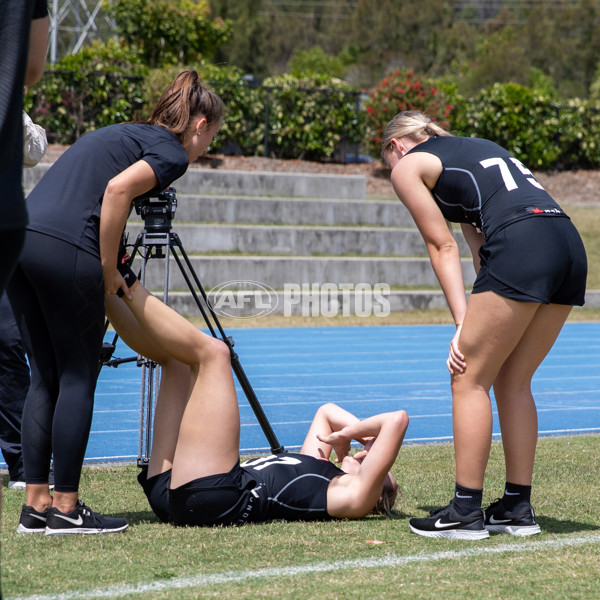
411, 124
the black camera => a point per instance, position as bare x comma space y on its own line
157, 210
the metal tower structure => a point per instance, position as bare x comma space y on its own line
75, 22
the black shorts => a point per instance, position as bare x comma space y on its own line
539, 259
213, 500
157, 491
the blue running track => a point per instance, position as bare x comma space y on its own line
364, 369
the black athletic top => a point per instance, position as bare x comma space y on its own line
66, 202
15, 25
484, 185
288, 486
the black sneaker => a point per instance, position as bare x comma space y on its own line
32, 521
446, 522
82, 520
518, 521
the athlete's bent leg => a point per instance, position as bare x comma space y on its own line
208, 440
174, 389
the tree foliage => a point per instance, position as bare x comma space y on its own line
169, 31
470, 43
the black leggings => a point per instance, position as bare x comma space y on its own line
11, 243
57, 295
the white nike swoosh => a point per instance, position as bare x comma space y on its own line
77, 521
440, 525
459, 496
498, 521
38, 517
511, 493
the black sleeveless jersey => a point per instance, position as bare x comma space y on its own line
484, 185
288, 486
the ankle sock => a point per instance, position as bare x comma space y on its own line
467, 500
516, 494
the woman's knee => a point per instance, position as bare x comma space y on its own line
213, 350
512, 382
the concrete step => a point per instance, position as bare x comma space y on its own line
303, 241
263, 183
277, 271
314, 302
250, 183
290, 211
320, 301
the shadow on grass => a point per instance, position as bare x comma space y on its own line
145, 517
550, 525
142, 517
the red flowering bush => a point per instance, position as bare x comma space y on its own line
399, 91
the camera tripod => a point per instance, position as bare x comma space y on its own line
159, 241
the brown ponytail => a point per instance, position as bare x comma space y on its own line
184, 100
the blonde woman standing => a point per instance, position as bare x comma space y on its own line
531, 270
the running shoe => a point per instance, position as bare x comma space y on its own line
82, 520
447, 522
518, 521
31, 520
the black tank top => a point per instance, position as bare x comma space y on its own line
484, 185
289, 486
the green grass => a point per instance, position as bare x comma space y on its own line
587, 221
566, 493
565, 497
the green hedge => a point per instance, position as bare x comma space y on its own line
317, 117
98, 86
543, 135
314, 118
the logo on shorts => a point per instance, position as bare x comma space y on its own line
545, 211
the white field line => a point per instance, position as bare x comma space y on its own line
391, 560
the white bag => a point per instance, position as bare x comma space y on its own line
35, 142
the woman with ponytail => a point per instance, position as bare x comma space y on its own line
531, 270
77, 214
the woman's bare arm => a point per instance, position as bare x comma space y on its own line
354, 496
134, 181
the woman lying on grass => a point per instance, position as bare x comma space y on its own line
194, 476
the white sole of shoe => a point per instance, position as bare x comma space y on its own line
23, 529
82, 531
518, 530
453, 534
17, 485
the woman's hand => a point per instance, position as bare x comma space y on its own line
339, 442
113, 282
456, 361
